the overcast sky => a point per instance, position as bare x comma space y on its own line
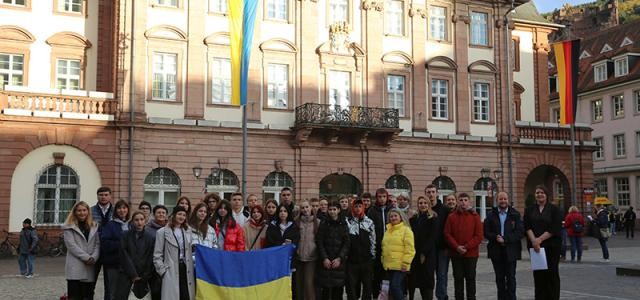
549, 5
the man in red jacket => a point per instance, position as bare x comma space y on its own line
463, 233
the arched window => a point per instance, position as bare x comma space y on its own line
485, 190
56, 192
397, 184
273, 184
162, 186
222, 182
445, 186
334, 186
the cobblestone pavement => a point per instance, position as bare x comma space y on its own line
592, 279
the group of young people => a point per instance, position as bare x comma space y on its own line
347, 246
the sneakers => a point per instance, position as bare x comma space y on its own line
605, 260
28, 276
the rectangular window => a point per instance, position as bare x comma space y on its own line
599, 153
438, 23
619, 146
74, 6
637, 143
481, 102
396, 93
221, 84
165, 73
340, 88
278, 85
621, 66
11, 69
596, 110
172, 3
618, 106
68, 74
622, 191
601, 188
636, 99
600, 72
394, 17
338, 11
277, 9
440, 99
14, 2
218, 6
553, 84
479, 29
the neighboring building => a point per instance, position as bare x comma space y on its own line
609, 100
585, 19
344, 97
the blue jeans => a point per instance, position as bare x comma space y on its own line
26, 264
612, 227
576, 246
442, 273
605, 249
396, 284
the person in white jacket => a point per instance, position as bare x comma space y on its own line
83, 250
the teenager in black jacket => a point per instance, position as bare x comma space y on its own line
282, 230
425, 226
332, 242
136, 255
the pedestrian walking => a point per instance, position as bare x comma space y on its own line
630, 222
503, 229
332, 242
110, 250
602, 223
397, 252
307, 254
26, 248
542, 224
425, 227
255, 230
575, 226
362, 251
83, 251
172, 257
137, 257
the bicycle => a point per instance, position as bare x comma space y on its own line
58, 249
7, 248
44, 245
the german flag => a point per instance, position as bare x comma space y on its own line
567, 59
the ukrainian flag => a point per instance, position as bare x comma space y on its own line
242, 16
262, 274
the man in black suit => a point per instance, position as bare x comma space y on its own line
504, 230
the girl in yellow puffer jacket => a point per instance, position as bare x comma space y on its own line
397, 252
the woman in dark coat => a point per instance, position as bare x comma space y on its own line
332, 242
542, 224
282, 230
110, 247
137, 255
424, 226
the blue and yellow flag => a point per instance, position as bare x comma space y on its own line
242, 16
262, 274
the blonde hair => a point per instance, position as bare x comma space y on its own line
573, 209
402, 215
71, 218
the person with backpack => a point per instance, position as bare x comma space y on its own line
26, 248
574, 223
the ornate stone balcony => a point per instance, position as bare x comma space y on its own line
21, 101
552, 133
356, 123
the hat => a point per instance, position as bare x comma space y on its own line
179, 208
27, 221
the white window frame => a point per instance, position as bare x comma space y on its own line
600, 72
69, 5
623, 194
636, 98
601, 185
599, 153
13, 2
163, 187
277, 10
621, 66
336, 6
481, 103
68, 77
58, 185
167, 3
165, 74
278, 86
394, 17
596, 110
218, 6
618, 106
438, 23
221, 80
619, 146
396, 97
10, 73
339, 89
479, 28
439, 100
637, 143
555, 115
223, 190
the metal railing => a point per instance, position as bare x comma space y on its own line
347, 116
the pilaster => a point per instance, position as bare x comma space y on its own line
373, 32
195, 81
418, 14
461, 21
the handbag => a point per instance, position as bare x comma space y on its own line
605, 233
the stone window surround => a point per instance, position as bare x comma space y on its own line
156, 44
82, 13
448, 6
449, 76
25, 7
349, 13
68, 45
16, 40
516, 52
613, 106
482, 77
617, 183
615, 146
290, 12
336, 62
154, 4
601, 150
279, 57
490, 22
593, 119
393, 68
210, 10
405, 20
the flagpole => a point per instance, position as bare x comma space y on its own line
573, 165
244, 150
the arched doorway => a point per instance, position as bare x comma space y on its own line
445, 186
554, 180
336, 185
485, 190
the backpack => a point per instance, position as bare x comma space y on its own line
578, 227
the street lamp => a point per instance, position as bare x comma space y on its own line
442, 170
484, 172
197, 171
497, 174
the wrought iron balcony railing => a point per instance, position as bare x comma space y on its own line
328, 115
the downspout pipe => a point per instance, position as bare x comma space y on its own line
132, 106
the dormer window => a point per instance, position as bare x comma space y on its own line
600, 72
621, 66
606, 48
626, 42
584, 54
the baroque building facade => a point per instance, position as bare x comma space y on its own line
344, 97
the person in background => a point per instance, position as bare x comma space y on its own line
172, 257
186, 203
228, 232
612, 223
110, 247
240, 213
315, 206
332, 242
159, 220
323, 209
503, 229
26, 248
542, 223
398, 251
575, 225
270, 210
362, 251
252, 200
602, 221
378, 214
424, 225
366, 201
563, 245
201, 232
404, 205
307, 254
286, 198
442, 253
136, 254
145, 208
344, 207
630, 222
211, 199
83, 250
393, 201
451, 202
255, 230
463, 233
101, 214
